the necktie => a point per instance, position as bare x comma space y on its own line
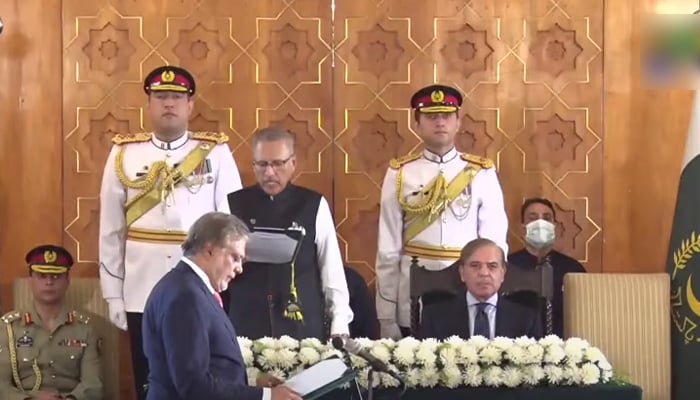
217, 296
481, 321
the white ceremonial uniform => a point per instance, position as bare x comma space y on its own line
478, 211
134, 258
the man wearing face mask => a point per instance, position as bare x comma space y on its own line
433, 203
538, 218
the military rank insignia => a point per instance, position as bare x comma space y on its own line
25, 340
72, 343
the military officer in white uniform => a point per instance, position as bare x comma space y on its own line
154, 186
432, 204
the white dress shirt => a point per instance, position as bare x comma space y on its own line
490, 312
330, 261
267, 393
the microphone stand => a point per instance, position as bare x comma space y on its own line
370, 384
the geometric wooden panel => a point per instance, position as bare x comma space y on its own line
255, 64
531, 73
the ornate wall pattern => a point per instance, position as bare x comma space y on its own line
531, 74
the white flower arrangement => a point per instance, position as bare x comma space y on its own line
454, 362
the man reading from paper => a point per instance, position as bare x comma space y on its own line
294, 282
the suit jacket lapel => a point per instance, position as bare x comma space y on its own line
461, 316
503, 326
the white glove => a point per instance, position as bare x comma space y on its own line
117, 313
389, 329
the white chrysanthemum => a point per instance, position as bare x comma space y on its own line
309, 356
388, 343
532, 375
381, 351
366, 343
265, 343
357, 361
571, 375
287, 342
493, 376
278, 373
408, 342
314, 344
590, 374
448, 356
551, 340
534, 354
478, 342
524, 341
451, 377
363, 381
247, 354
331, 352
252, 375
578, 343
268, 358
574, 354
472, 376
404, 354
244, 342
412, 377
430, 377
287, 358
553, 374
553, 354
517, 355
502, 343
455, 341
512, 377
426, 352
593, 354
387, 380
468, 354
490, 355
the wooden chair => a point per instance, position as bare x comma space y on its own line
431, 286
532, 287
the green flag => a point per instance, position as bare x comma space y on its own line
684, 267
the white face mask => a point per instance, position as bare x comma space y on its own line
540, 233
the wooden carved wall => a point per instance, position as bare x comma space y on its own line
531, 74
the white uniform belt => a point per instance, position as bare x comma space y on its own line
156, 235
432, 252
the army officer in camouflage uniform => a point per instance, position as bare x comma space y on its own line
49, 351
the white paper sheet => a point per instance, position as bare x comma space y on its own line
317, 376
270, 248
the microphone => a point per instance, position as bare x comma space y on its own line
355, 348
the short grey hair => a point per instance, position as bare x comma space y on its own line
273, 134
214, 228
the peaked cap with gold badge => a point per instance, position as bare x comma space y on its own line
49, 259
169, 78
436, 99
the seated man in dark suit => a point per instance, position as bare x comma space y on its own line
364, 323
480, 310
191, 346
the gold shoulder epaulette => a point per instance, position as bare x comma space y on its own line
11, 317
131, 138
216, 137
80, 317
482, 161
397, 163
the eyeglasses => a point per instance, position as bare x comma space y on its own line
275, 164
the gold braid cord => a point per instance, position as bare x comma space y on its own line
13, 362
435, 203
159, 171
